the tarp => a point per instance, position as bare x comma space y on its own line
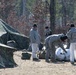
8, 33
10, 40
6, 56
61, 55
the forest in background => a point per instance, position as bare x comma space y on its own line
22, 14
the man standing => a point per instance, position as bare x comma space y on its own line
35, 41
52, 41
47, 31
71, 34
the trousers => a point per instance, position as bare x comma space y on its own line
72, 49
35, 49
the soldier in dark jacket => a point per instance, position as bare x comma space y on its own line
52, 41
47, 31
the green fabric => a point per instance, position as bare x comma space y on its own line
9, 33
6, 54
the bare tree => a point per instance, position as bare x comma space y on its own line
52, 15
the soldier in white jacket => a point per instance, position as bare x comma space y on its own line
35, 41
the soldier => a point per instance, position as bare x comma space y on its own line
47, 31
71, 34
52, 41
35, 41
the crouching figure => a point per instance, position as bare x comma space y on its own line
52, 41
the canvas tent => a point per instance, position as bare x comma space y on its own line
10, 40
6, 56
8, 33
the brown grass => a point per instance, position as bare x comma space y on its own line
29, 67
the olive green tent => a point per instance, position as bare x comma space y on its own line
10, 40
7, 33
6, 56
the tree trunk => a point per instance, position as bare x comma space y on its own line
52, 15
64, 13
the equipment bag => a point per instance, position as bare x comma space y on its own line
26, 56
